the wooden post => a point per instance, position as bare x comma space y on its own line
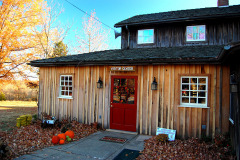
220, 100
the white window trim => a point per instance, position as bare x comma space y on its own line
145, 42
197, 40
64, 96
191, 104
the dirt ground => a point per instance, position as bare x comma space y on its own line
10, 112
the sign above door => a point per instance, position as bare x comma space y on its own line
122, 68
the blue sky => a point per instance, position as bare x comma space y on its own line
111, 12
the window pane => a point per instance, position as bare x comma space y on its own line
185, 80
201, 94
202, 80
146, 39
185, 100
193, 80
140, 33
193, 100
66, 85
150, 32
193, 87
202, 100
185, 87
131, 82
202, 87
196, 33
145, 36
194, 90
185, 93
193, 94
116, 82
123, 82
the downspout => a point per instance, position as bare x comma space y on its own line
128, 37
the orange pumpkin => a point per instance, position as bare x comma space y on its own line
62, 136
69, 133
61, 141
55, 139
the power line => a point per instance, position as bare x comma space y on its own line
90, 15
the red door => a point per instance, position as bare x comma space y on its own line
123, 108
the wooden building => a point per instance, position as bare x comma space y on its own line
171, 73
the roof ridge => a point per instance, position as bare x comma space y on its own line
178, 14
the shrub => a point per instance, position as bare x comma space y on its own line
162, 138
2, 97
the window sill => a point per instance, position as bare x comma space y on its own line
65, 97
193, 106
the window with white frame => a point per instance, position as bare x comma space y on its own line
196, 33
66, 86
145, 36
194, 91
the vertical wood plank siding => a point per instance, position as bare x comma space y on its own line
169, 35
156, 108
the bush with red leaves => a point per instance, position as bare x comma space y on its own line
27, 139
183, 149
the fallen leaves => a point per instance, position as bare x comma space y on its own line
183, 149
30, 138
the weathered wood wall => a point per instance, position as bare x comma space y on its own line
156, 108
170, 35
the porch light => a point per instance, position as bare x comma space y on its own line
99, 83
154, 84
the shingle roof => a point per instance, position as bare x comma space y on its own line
139, 56
192, 14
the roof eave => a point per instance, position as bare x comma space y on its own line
178, 20
131, 62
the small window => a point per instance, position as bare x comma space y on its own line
66, 86
145, 36
194, 91
196, 33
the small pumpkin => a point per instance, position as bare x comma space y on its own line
70, 134
62, 136
55, 139
62, 141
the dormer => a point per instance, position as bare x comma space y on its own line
204, 26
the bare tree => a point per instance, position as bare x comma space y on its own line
50, 32
93, 37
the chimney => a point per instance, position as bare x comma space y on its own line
222, 3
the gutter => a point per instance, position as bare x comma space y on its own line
130, 62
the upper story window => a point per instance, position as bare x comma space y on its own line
145, 36
196, 33
66, 86
194, 91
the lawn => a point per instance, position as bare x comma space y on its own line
11, 110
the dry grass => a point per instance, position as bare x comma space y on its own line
11, 110
18, 104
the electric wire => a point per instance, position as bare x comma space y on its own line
89, 15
